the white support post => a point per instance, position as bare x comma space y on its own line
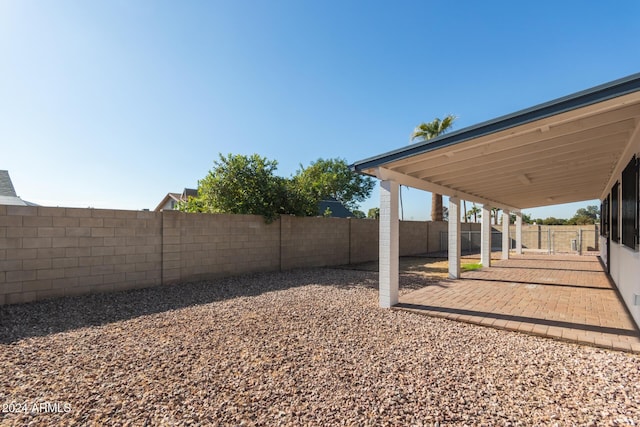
519, 233
485, 239
389, 244
505, 234
454, 238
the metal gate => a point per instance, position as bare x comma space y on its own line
470, 241
549, 241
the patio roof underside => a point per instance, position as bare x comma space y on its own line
534, 158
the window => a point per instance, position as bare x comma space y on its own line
630, 204
602, 214
605, 216
615, 212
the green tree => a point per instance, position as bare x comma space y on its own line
359, 214
554, 221
464, 209
474, 212
374, 213
526, 218
424, 132
333, 178
240, 184
588, 215
296, 200
495, 213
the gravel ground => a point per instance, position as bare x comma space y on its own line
308, 347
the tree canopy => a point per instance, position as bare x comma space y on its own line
325, 178
373, 213
583, 216
588, 215
432, 129
242, 184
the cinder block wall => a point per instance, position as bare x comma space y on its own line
313, 242
51, 252
364, 240
414, 237
200, 246
435, 230
537, 236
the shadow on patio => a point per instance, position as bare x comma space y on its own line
565, 297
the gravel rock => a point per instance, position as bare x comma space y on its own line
307, 347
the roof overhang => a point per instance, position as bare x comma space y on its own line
562, 151
12, 201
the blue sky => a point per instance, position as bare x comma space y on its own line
112, 104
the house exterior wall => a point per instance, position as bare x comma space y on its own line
624, 265
169, 205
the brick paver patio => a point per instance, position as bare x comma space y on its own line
567, 297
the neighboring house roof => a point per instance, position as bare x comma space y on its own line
8, 194
189, 192
337, 209
6, 186
562, 151
177, 197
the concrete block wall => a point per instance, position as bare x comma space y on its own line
364, 240
435, 230
313, 242
537, 237
414, 237
201, 246
533, 236
52, 252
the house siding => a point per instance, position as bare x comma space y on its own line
624, 267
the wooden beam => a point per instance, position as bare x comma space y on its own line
387, 174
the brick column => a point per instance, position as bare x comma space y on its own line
454, 238
485, 243
389, 244
505, 234
519, 233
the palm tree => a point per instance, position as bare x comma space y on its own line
424, 132
474, 212
495, 212
464, 209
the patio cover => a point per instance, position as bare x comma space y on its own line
562, 151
